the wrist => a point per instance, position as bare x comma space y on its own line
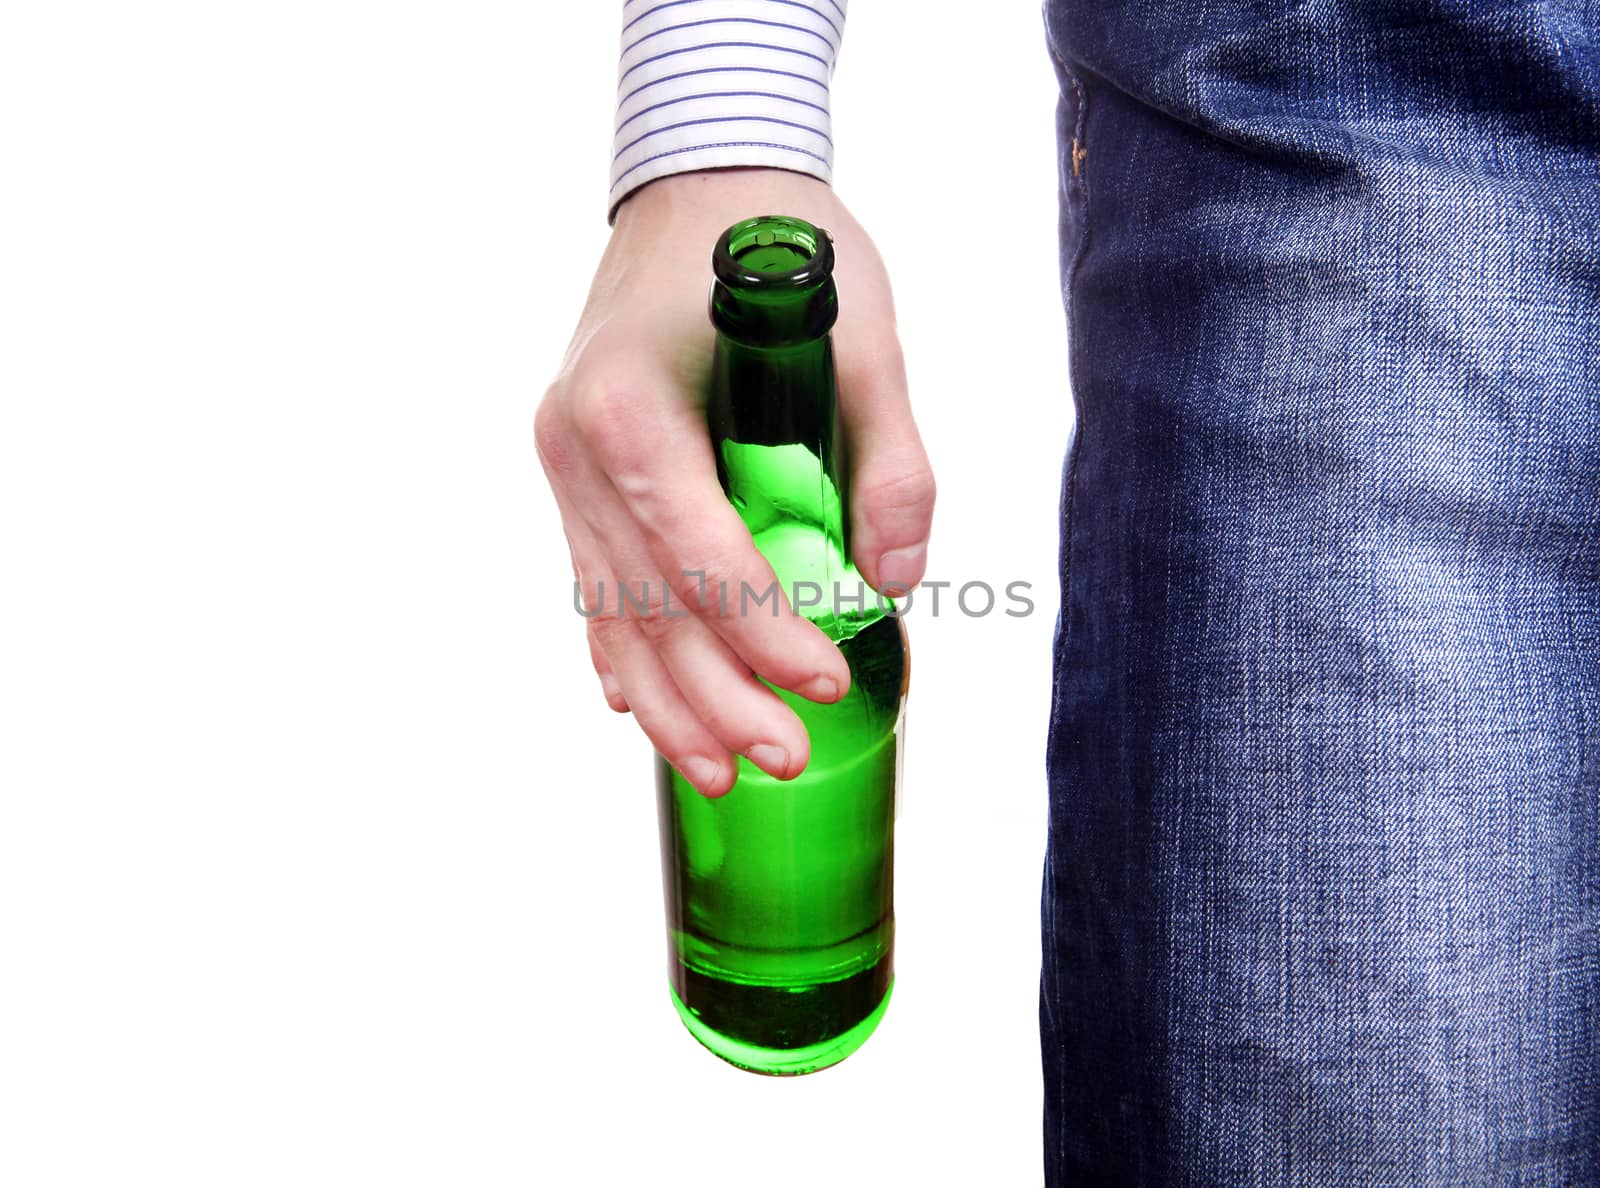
723, 194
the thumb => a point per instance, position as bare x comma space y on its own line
892, 486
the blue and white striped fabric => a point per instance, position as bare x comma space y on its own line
705, 84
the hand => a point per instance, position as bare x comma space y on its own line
623, 440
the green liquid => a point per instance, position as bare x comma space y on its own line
780, 895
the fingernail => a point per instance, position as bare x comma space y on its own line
771, 759
609, 686
824, 689
902, 568
703, 773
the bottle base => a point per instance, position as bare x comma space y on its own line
782, 1062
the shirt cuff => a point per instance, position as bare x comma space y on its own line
709, 84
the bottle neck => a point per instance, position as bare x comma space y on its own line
773, 393
780, 458
775, 320
775, 436
773, 418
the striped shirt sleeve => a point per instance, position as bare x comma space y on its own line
706, 84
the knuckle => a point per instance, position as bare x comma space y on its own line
702, 581
657, 628
601, 415
905, 489
649, 607
607, 630
549, 431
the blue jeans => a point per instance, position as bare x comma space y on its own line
1322, 897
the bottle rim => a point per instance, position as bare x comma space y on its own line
811, 245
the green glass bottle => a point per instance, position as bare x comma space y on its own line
780, 895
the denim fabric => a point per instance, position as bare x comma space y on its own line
1322, 895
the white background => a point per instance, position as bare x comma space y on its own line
321, 859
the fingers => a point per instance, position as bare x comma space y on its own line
602, 668
740, 711
669, 721
692, 695
654, 485
892, 486
590, 603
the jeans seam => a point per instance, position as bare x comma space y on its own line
1074, 201
1078, 151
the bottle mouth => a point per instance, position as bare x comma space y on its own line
773, 253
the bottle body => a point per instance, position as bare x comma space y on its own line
780, 894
